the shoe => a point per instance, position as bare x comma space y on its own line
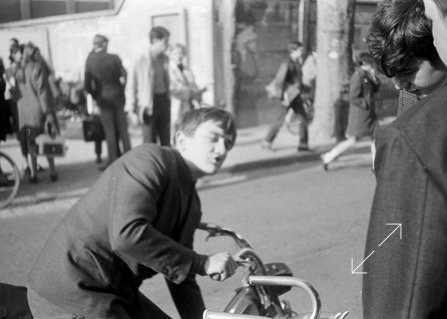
33, 179
302, 148
54, 176
267, 146
325, 165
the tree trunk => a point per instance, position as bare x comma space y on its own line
335, 30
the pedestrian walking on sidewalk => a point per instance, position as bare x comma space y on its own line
287, 86
362, 118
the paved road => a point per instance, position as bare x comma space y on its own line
294, 213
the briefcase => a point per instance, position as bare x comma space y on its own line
50, 146
93, 129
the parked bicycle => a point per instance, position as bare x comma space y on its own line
262, 285
9, 180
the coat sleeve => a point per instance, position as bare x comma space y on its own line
131, 90
405, 277
137, 188
356, 94
89, 80
123, 71
42, 89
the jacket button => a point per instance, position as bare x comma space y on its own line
164, 271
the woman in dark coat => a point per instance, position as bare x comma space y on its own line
36, 106
362, 119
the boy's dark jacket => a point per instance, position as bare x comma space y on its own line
137, 220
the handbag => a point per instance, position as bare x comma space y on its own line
93, 129
50, 146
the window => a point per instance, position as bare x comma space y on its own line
20, 10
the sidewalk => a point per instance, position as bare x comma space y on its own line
78, 170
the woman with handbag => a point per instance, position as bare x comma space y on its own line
362, 118
36, 107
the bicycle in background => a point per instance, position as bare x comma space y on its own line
9, 180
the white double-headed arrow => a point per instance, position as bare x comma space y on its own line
354, 271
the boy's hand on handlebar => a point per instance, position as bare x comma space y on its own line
220, 266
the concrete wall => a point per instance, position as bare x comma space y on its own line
69, 41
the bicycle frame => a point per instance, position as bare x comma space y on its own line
262, 284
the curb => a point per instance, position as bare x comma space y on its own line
237, 168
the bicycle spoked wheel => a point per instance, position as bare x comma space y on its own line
9, 180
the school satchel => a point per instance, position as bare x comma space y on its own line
51, 146
14, 302
93, 129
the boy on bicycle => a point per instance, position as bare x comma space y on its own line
137, 220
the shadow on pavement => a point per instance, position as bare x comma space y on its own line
74, 180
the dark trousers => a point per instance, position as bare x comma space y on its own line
341, 110
114, 121
142, 308
158, 125
298, 108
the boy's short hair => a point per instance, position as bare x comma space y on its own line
158, 33
180, 47
190, 120
365, 58
294, 45
100, 39
400, 31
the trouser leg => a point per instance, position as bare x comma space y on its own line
121, 124
148, 310
162, 107
339, 149
298, 107
107, 120
148, 130
276, 125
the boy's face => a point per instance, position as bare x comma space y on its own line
177, 55
160, 45
420, 77
297, 54
206, 150
439, 28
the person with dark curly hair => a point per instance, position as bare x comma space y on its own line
405, 277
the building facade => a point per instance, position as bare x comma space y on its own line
236, 45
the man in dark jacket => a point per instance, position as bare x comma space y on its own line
105, 80
405, 273
136, 221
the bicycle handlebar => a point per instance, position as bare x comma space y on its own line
215, 231
291, 281
223, 315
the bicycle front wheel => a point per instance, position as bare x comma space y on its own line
9, 180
